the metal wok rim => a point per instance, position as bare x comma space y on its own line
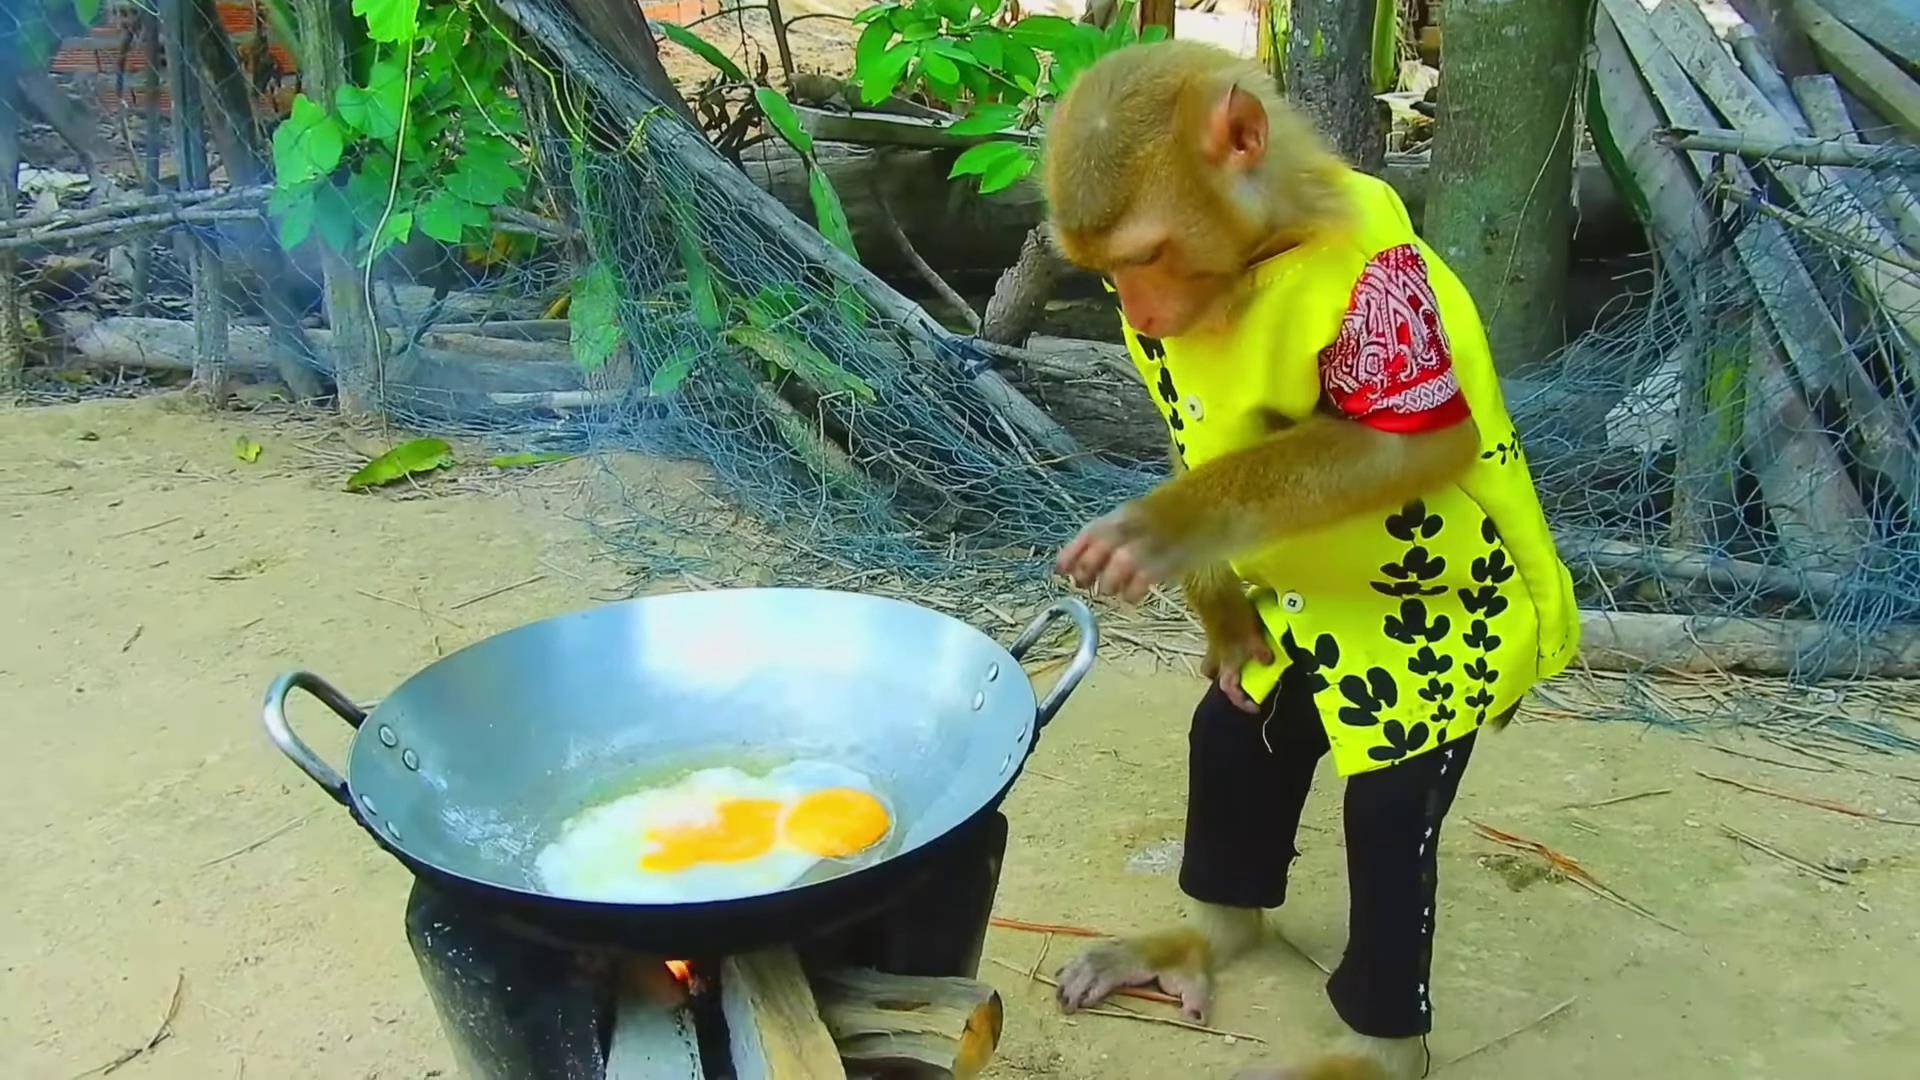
344, 791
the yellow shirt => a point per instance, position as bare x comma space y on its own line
1413, 627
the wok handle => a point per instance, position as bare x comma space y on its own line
291, 745
1082, 617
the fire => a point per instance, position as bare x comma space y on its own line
681, 973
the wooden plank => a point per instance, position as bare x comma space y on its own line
1759, 67
1655, 181
920, 1025
1895, 290
774, 1029
1865, 70
1826, 111
1893, 25
1636, 641
1819, 518
653, 1031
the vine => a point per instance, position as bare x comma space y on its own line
420, 140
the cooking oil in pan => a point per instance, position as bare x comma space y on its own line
718, 832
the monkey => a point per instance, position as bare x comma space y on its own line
1348, 511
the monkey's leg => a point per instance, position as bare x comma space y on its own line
1393, 818
1248, 777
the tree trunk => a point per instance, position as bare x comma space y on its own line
356, 344
13, 358
1329, 43
1020, 298
1500, 210
190, 156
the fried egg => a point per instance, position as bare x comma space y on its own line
715, 834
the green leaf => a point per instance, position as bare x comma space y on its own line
334, 220
1022, 65
828, 214
706, 298
877, 11
485, 172
954, 11
527, 460
1006, 171
394, 230
704, 49
779, 113
809, 364
887, 72
870, 48
979, 160
1386, 59
389, 20
920, 28
1319, 44
986, 120
88, 10
668, 376
307, 144
407, 459
446, 217
939, 68
1154, 34
989, 48
594, 328
1049, 33
294, 209
246, 449
376, 109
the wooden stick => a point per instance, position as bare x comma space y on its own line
911, 1024
1794, 861
141, 529
1186, 1025
1804, 800
1045, 928
491, 593
1796, 151
263, 841
1770, 761
1617, 799
1529, 1025
160, 1034
654, 1037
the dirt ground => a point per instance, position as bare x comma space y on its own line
154, 585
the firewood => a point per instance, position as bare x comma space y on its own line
654, 1037
909, 1025
774, 1029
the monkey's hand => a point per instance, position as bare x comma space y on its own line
1179, 961
1128, 552
1235, 634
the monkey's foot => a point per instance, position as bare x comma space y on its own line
1360, 1058
1093, 977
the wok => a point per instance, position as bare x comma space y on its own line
467, 770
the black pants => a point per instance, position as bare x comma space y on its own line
1245, 790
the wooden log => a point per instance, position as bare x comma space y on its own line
1688, 568
13, 346
1865, 70
1638, 641
910, 1025
1794, 151
1751, 52
654, 1037
1020, 297
774, 1029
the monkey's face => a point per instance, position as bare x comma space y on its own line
1175, 271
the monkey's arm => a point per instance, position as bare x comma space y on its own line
1306, 476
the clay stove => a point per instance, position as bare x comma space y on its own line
893, 994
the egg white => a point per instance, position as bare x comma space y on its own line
596, 855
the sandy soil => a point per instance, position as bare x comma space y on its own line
154, 584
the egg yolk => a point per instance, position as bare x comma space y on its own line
836, 823
740, 829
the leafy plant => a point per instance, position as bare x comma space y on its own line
422, 140
1001, 79
774, 108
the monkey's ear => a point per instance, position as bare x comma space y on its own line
1236, 134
